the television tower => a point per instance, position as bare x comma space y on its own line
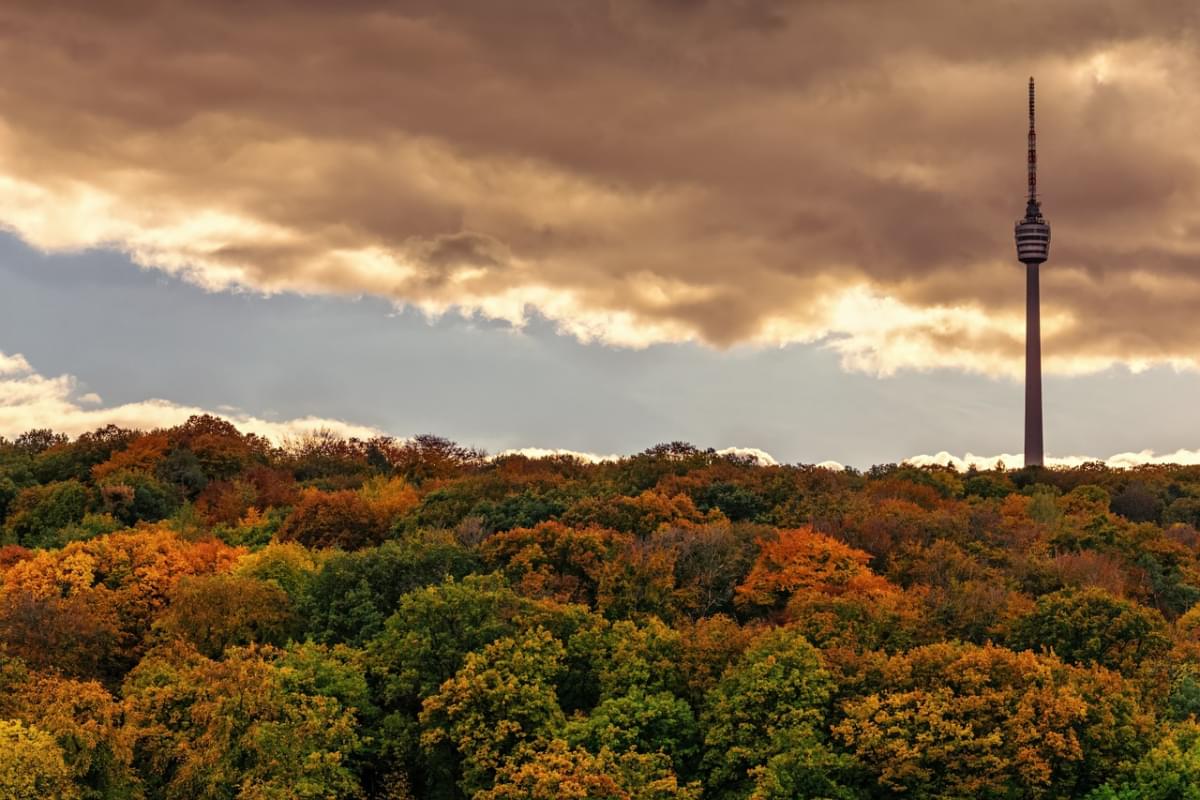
1033, 247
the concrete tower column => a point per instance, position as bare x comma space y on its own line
1033, 367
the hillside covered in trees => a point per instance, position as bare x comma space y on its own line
196, 613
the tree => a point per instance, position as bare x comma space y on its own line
566, 773
38, 513
554, 561
642, 721
641, 515
1170, 771
215, 612
143, 454
117, 583
8, 493
1091, 626
639, 583
764, 723
710, 561
1184, 510
70, 634
242, 727
427, 640
352, 594
427, 457
708, 647
799, 559
1137, 503
501, 705
870, 614
641, 689
134, 497
288, 565
39, 440
334, 519
32, 765
86, 722
954, 720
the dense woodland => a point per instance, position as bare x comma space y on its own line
197, 613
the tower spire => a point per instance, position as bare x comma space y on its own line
1032, 150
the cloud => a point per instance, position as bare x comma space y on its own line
761, 457
30, 400
544, 452
639, 171
1012, 460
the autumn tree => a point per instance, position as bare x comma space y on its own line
341, 519
115, 585
32, 765
570, 773
710, 561
239, 727
959, 720
555, 561
640, 515
215, 612
799, 559
70, 634
427, 457
87, 724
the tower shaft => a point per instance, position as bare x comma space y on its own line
1033, 368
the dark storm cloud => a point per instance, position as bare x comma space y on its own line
637, 170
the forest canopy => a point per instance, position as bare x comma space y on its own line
199, 613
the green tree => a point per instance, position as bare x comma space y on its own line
38, 513
1091, 626
352, 594
1170, 771
501, 705
642, 721
764, 723
426, 641
8, 493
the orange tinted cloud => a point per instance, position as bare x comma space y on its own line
638, 171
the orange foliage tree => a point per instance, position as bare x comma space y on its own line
555, 561
111, 588
334, 519
802, 559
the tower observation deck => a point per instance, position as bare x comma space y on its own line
1033, 248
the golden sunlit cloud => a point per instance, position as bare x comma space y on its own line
637, 172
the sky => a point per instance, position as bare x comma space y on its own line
598, 225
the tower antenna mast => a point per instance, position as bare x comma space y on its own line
1032, 148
